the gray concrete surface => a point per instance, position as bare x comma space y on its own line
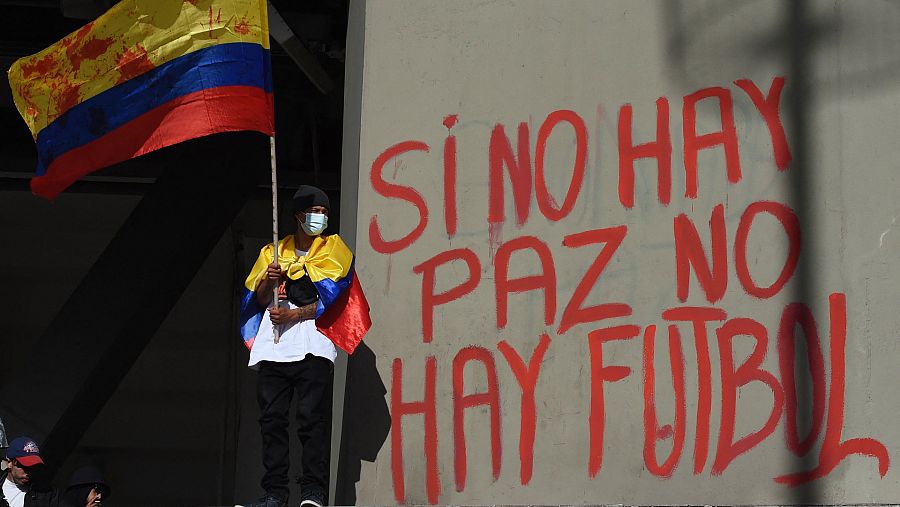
727, 421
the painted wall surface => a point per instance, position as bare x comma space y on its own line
632, 252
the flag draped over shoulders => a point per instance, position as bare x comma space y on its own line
145, 75
342, 312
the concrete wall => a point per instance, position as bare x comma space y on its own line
533, 293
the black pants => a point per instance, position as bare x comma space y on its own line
311, 379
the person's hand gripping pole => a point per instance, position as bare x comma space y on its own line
274, 277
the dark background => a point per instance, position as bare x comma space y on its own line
119, 299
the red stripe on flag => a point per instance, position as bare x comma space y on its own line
347, 320
198, 114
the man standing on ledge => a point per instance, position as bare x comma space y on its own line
317, 293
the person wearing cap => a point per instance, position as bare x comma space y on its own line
312, 272
22, 486
87, 488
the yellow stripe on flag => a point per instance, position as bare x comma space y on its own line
131, 38
328, 257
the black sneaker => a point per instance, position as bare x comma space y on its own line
266, 501
312, 498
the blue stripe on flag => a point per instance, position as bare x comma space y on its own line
234, 64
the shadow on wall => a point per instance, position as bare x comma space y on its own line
367, 422
796, 40
866, 30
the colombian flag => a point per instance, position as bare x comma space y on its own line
342, 312
145, 75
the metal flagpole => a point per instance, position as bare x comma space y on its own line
275, 329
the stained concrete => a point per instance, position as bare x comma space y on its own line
556, 70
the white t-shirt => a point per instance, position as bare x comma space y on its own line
295, 341
15, 497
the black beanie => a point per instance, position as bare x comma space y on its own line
308, 196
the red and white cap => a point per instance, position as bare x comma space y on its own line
25, 451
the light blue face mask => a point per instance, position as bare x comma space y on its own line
314, 224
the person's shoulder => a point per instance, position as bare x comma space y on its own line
44, 492
333, 238
268, 248
336, 242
